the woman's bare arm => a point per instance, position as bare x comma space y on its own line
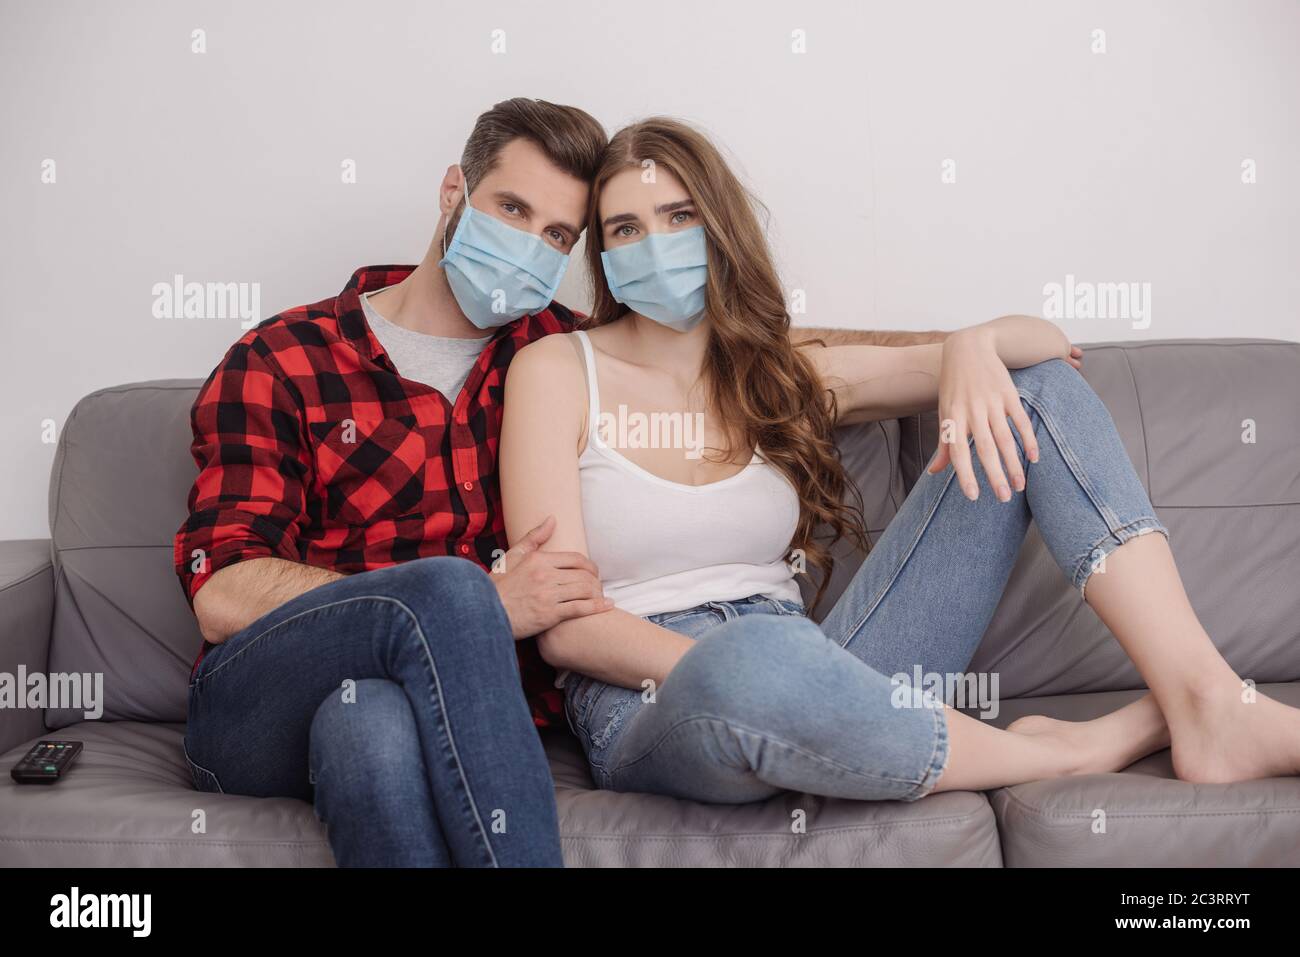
886, 382
879, 382
545, 420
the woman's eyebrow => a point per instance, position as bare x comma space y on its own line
659, 211
673, 207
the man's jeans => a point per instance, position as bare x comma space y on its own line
767, 701
391, 698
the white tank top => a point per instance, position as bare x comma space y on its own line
666, 546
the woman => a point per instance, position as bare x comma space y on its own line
707, 681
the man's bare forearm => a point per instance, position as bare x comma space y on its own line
864, 337
237, 595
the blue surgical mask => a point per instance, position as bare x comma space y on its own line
662, 277
498, 273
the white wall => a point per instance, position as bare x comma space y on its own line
1123, 166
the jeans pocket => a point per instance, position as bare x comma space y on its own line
783, 606
666, 619
609, 709
577, 689
691, 622
204, 780
574, 708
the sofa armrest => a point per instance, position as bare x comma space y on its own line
26, 614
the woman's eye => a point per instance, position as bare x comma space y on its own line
681, 217
558, 237
624, 231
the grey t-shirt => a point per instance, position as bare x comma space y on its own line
434, 360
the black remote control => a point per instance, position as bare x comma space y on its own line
46, 762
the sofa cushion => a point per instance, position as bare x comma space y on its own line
129, 802
1150, 817
613, 829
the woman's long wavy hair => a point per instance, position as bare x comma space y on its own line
763, 390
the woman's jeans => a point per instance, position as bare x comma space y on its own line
768, 701
392, 699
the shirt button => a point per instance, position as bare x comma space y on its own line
469, 486
464, 549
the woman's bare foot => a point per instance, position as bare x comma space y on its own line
1221, 730
1109, 743
1232, 733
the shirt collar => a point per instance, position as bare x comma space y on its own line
352, 318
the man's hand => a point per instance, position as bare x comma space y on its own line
541, 589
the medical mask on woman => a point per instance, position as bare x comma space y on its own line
496, 272
662, 277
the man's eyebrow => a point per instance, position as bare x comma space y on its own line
506, 196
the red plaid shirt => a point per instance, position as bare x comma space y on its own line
313, 449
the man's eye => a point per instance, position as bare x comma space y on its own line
558, 237
510, 208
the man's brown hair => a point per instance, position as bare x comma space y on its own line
569, 137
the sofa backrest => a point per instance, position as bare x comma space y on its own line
123, 470
118, 488
1213, 429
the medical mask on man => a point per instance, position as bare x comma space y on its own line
662, 276
496, 272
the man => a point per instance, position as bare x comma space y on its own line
347, 468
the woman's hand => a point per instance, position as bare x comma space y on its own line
976, 398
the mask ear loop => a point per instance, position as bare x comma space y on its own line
465, 200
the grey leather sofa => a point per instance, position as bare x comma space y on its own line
100, 596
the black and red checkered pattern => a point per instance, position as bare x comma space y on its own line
312, 448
